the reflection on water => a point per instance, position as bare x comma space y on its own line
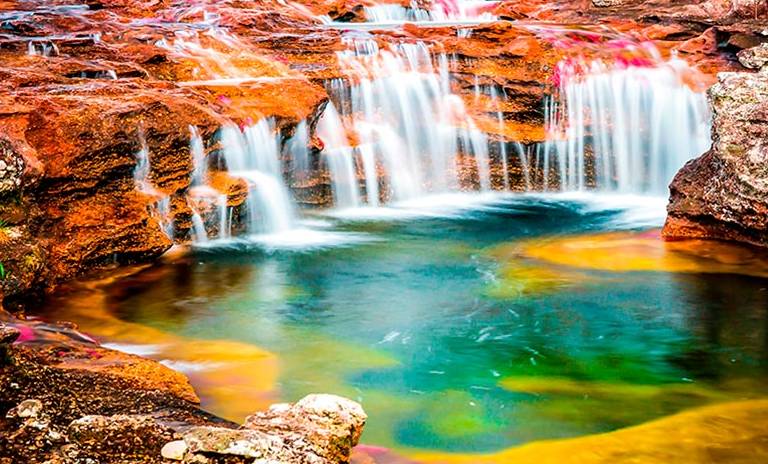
515, 322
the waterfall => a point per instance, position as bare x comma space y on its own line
199, 234
161, 207
199, 164
629, 128
339, 157
298, 151
254, 155
405, 119
440, 11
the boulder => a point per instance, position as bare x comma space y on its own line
319, 429
755, 57
724, 193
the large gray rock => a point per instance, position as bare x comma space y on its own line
724, 193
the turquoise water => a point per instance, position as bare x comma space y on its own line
414, 318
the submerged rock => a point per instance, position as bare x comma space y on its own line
724, 193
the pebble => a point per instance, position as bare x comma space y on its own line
174, 450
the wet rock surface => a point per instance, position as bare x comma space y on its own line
724, 193
319, 429
67, 400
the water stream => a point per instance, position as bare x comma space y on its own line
464, 330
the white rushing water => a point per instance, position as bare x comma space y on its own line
639, 125
439, 12
141, 178
409, 127
254, 155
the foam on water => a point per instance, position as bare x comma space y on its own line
299, 239
448, 205
632, 211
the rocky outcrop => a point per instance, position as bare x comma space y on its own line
66, 400
319, 429
724, 193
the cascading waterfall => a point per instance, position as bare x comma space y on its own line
298, 151
199, 164
406, 121
339, 157
251, 152
141, 174
440, 11
201, 191
638, 125
254, 155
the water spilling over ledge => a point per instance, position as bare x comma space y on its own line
623, 128
439, 13
407, 123
442, 209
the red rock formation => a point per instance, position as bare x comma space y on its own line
724, 193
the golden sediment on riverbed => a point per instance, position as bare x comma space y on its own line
632, 251
233, 379
729, 432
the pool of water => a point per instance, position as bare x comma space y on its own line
464, 327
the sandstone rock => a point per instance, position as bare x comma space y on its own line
27, 409
327, 426
724, 193
246, 443
755, 57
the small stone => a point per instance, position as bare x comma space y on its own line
174, 450
8, 334
29, 408
607, 3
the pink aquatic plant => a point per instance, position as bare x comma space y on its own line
27, 334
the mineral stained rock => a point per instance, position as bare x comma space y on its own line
724, 193
65, 400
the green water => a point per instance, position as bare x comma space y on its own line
413, 322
